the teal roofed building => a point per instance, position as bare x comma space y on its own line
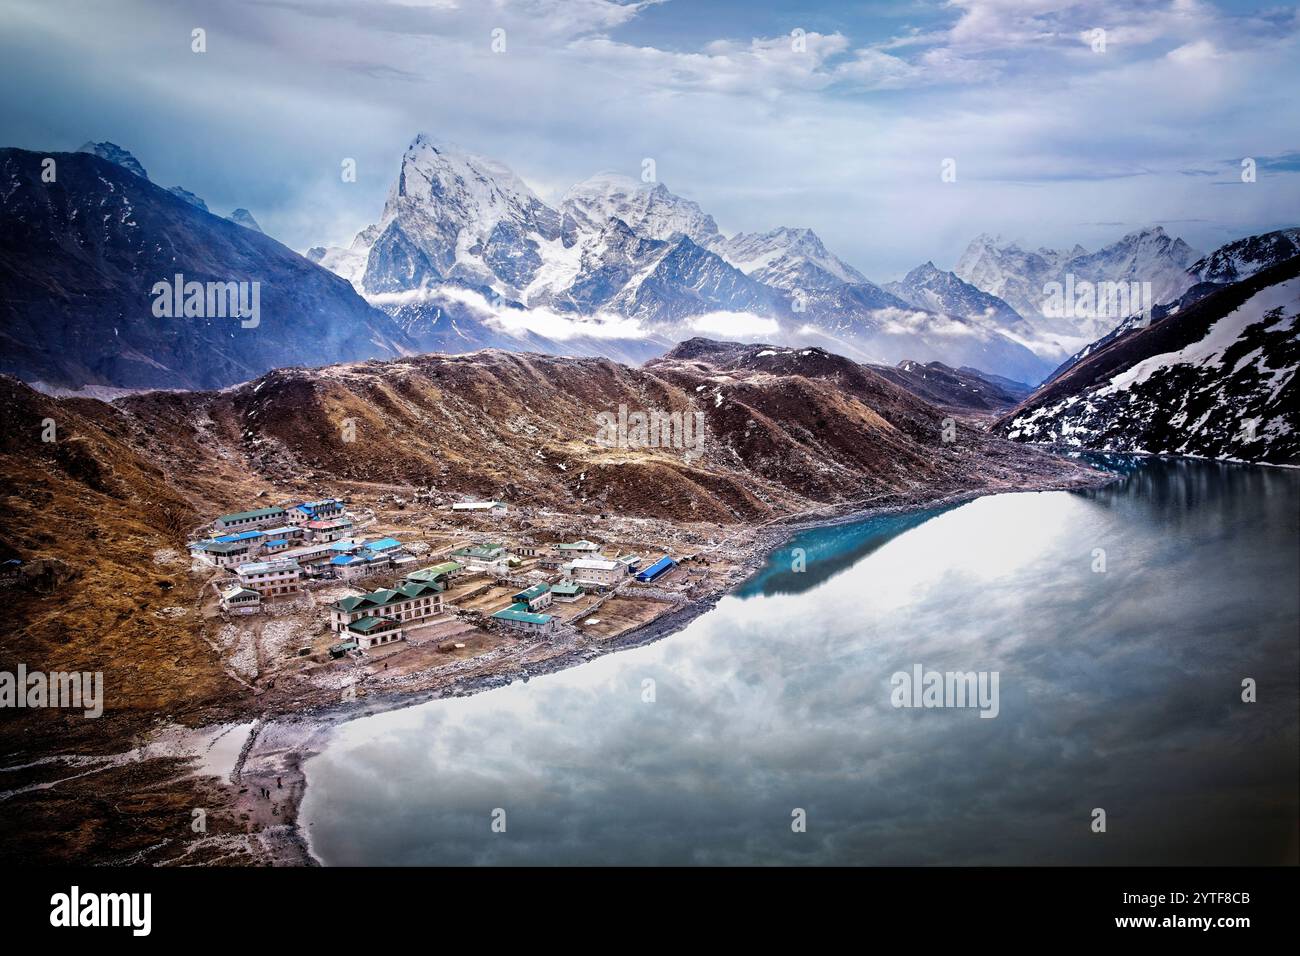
370, 632
408, 603
518, 617
248, 520
535, 598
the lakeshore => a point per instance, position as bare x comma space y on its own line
252, 805
292, 740
1120, 688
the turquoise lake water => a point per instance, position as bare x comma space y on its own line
1118, 689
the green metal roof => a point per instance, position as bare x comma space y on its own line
404, 592
434, 571
565, 589
415, 589
520, 612
536, 591
367, 624
256, 513
479, 550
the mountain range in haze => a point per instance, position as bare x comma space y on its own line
465, 256
463, 239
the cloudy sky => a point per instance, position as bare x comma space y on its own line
764, 112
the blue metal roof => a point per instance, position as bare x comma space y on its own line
384, 544
242, 536
656, 569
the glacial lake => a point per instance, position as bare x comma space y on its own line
1118, 689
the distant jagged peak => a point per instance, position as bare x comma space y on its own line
925, 271
182, 193
115, 154
448, 163
649, 208
122, 157
1243, 257
455, 188
787, 258
243, 217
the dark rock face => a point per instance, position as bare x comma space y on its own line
397, 264
79, 262
1216, 379
1244, 257
511, 254
964, 390
1230, 263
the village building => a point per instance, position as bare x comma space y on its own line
319, 553
408, 602
578, 549
330, 529
566, 591
11, 571
276, 545
383, 545
281, 576
322, 510
534, 598
224, 553
518, 616
368, 632
237, 600
352, 561
555, 555
630, 561
483, 557
362, 564
248, 520
597, 571
494, 507
436, 574
657, 570
403, 561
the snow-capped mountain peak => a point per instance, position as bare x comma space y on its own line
929, 287
463, 237
787, 258
462, 187
1244, 257
454, 215
649, 208
1150, 257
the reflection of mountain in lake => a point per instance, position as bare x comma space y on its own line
1177, 492
1118, 689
